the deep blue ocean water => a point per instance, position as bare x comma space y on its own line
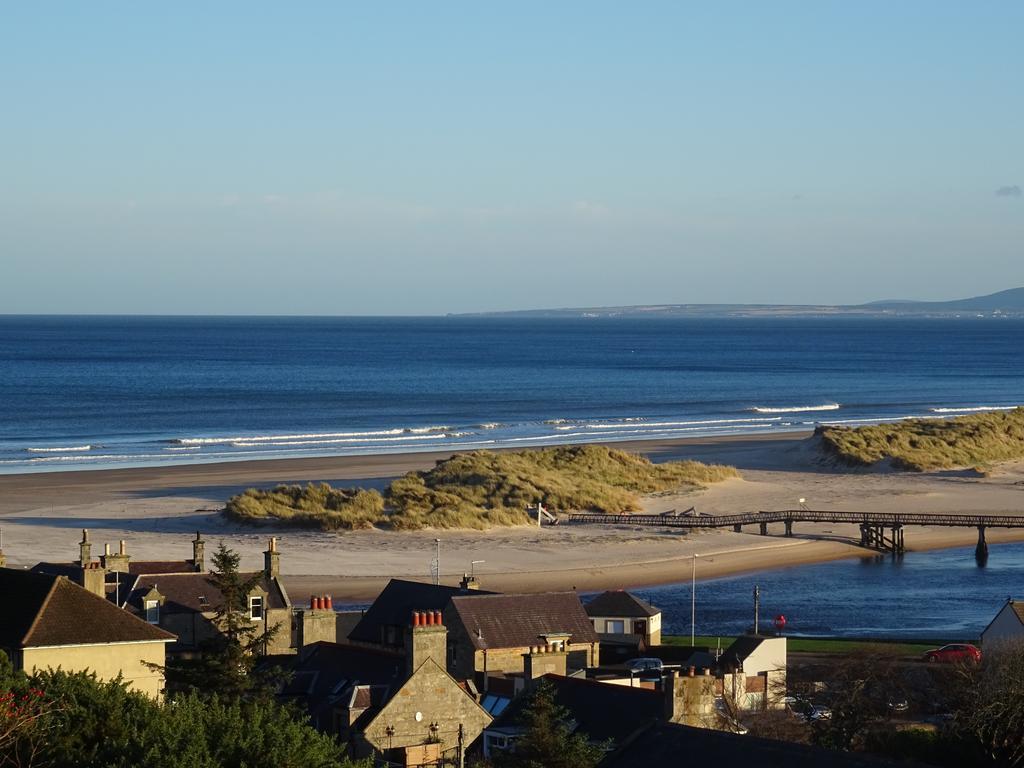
86, 392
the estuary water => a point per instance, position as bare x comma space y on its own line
90, 392
937, 595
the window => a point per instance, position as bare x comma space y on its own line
153, 611
256, 607
615, 626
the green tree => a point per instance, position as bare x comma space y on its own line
94, 724
226, 662
548, 741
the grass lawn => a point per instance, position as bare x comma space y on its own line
822, 645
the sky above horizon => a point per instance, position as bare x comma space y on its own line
332, 158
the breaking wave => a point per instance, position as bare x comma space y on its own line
60, 450
797, 408
976, 409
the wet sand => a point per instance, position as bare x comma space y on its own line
157, 510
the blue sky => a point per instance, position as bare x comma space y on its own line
417, 158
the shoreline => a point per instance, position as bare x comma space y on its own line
352, 591
159, 509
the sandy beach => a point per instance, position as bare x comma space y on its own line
157, 510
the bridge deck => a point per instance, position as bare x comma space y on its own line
806, 516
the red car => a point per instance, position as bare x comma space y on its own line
954, 653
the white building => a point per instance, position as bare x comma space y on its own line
1006, 627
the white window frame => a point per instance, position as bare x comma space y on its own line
611, 624
255, 600
153, 611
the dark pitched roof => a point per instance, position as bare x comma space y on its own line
668, 745
599, 710
184, 590
161, 566
620, 603
396, 602
741, 648
519, 621
330, 674
44, 610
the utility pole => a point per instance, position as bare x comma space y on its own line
757, 605
693, 601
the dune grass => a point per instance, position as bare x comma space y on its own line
481, 489
920, 445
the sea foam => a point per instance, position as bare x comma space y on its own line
60, 450
797, 408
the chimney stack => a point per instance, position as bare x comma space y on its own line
84, 549
199, 553
118, 562
272, 559
469, 582
426, 638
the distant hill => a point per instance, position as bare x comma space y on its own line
1009, 302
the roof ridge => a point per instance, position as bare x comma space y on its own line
42, 609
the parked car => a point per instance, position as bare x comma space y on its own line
645, 665
953, 652
819, 712
898, 704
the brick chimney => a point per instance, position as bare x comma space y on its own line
93, 576
272, 558
198, 553
426, 637
118, 562
547, 659
690, 697
84, 549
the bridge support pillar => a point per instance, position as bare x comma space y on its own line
738, 528
865, 535
897, 539
789, 527
981, 551
764, 529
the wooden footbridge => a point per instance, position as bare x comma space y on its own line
878, 531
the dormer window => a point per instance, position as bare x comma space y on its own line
256, 607
153, 611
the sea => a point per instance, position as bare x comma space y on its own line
95, 392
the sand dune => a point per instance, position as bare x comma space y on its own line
157, 510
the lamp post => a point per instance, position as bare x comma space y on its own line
693, 601
437, 562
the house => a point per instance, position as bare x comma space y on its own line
667, 745
491, 635
1006, 627
178, 595
50, 622
600, 712
618, 613
383, 625
401, 706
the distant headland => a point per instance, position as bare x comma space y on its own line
1008, 303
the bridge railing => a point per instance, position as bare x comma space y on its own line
805, 516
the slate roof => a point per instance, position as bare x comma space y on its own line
396, 602
740, 649
328, 674
668, 745
47, 610
601, 711
518, 621
161, 566
621, 603
183, 590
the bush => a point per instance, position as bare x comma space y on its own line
481, 489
